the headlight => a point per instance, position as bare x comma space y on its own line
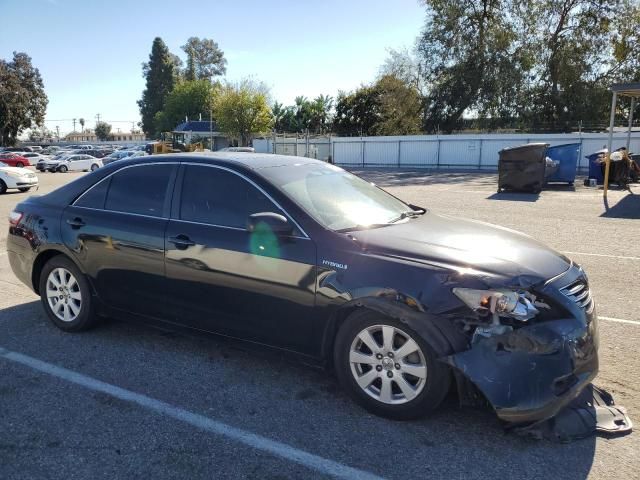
501, 303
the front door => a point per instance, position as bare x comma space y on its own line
221, 277
116, 230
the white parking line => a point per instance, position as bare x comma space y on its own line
603, 255
278, 449
619, 320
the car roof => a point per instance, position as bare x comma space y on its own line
65, 194
253, 161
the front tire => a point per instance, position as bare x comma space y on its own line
63, 169
387, 368
19, 164
94, 167
24, 189
66, 296
3, 187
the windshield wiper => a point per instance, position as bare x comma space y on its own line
407, 214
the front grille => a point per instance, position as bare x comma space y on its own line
579, 292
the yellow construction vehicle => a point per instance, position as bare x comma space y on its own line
171, 142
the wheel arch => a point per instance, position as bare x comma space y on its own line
437, 330
41, 260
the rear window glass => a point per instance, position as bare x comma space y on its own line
141, 190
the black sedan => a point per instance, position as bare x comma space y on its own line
301, 255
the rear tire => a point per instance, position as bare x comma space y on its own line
94, 167
19, 164
380, 375
3, 187
66, 296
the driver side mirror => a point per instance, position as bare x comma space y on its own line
276, 223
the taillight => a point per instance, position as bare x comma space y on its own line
15, 217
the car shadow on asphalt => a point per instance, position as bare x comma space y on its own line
469, 441
424, 177
628, 207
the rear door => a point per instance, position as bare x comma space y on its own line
221, 277
116, 230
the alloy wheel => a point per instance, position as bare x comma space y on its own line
388, 364
63, 294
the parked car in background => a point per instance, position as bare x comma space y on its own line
51, 162
33, 157
117, 155
51, 150
239, 149
18, 149
36, 148
96, 153
78, 163
16, 178
14, 160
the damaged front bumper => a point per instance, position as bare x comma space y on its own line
531, 373
538, 377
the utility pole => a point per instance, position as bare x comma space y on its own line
211, 129
58, 132
97, 118
74, 125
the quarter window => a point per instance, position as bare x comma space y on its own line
218, 197
141, 190
95, 196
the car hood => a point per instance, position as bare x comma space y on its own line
465, 243
19, 171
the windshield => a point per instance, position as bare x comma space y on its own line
336, 198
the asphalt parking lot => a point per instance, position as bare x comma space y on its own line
131, 401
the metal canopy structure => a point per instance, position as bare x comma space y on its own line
620, 90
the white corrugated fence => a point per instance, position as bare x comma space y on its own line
433, 151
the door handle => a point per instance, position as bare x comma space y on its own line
182, 241
76, 222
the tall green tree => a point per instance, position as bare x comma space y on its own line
582, 46
23, 102
160, 77
388, 107
205, 59
189, 99
242, 110
473, 56
102, 131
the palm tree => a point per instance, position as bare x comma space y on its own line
81, 121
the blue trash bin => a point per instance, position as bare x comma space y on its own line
567, 155
595, 168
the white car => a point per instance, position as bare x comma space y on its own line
16, 178
78, 163
33, 157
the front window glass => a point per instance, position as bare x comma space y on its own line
336, 198
218, 197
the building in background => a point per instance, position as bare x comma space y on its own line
90, 137
202, 131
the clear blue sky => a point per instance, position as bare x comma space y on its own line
90, 52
